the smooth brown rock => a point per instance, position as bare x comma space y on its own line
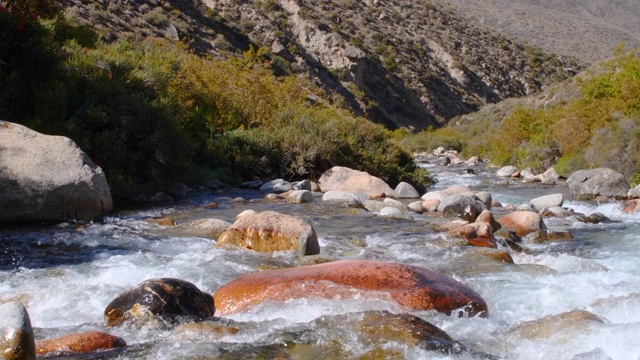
367, 184
270, 231
160, 299
522, 222
411, 286
80, 343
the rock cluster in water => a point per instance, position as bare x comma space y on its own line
469, 217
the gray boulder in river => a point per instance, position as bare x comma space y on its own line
589, 184
47, 178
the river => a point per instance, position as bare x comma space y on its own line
68, 273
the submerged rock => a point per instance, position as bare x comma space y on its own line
165, 300
411, 286
80, 343
269, 231
555, 325
16, 334
379, 328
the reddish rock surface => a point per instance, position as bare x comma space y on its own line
80, 343
269, 231
477, 234
522, 222
411, 286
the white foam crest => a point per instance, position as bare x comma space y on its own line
604, 340
562, 262
612, 210
446, 180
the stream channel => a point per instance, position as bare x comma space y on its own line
67, 274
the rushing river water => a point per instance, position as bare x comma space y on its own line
67, 274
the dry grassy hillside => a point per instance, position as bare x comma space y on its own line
585, 29
407, 64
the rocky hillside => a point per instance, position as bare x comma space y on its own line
410, 64
585, 29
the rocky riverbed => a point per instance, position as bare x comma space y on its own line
570, 290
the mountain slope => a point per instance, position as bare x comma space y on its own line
585, 29
401, 63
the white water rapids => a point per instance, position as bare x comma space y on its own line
66, 276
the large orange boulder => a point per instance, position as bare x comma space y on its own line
80, 343
269, 231
411, 286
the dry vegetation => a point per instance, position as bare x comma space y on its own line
423, 64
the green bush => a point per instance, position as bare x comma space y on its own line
153, 112
598, 129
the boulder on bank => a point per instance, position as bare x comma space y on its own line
345, 179
589, 184
80, 343
406, 191
269, 231
364, 183
277, 186
507, 171
17, 341
334, 177
411, 286
47, 178
167, 300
